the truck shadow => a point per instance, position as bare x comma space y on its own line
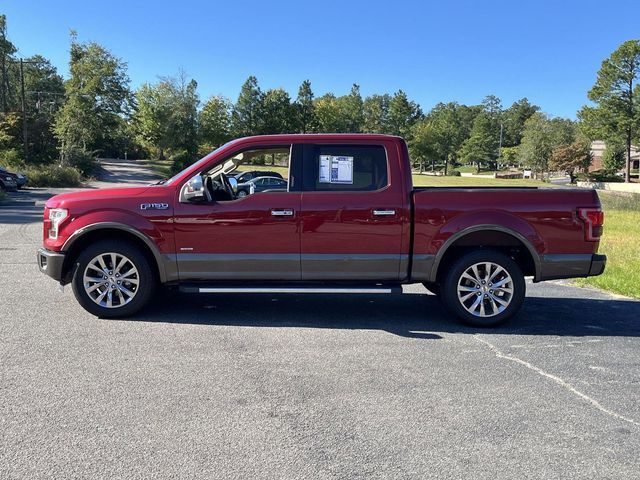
409, 315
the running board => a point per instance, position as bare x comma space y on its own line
373, 289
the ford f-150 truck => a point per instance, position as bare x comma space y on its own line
348, 221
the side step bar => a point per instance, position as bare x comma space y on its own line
305, 289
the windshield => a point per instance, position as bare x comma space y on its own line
201, 161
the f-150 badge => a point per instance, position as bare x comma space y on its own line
154, 206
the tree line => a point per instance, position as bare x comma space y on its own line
48, 120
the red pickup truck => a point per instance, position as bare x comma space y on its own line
348, 221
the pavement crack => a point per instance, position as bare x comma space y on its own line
564, 384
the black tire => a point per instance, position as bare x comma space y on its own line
432, 287
488, 302
146, 277
242, 193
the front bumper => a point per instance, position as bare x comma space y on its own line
556, 266
51, 263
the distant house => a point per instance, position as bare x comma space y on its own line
597, 151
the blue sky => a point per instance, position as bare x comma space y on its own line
548, 51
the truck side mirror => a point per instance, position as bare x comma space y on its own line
193, 190
234, 184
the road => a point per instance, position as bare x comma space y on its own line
300, 386
113, 173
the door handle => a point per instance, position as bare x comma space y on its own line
384, 213
286, 212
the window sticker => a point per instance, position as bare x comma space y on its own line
336, 169
325, 169
342, 170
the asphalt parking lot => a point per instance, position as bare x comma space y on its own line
301, 386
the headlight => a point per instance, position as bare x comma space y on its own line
8, 179
56, 215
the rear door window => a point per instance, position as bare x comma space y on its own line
345, 168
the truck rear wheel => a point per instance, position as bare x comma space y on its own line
113, 279
484, 288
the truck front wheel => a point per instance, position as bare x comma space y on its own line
484, 288
113, 278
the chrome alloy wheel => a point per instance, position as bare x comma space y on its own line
111, 280
485, 289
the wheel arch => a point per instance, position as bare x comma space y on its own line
103, 230
486, 236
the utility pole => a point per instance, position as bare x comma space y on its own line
499, 148
24, 114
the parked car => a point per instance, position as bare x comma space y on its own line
350, 222
8, 181
244, 177
20, 179
261, 184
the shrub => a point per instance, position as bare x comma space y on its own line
602, 175
453, 173
11, 158
80, 159
181, 160
53, 176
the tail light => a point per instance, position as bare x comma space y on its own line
593, 219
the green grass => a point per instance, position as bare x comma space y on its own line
161, 167
621, 243
474, 169
442, 181
284, 171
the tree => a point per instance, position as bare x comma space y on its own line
614, 156
329, 114
215, 123
352, 110
536, 145
403, 114
492, 105
7, 49
375, 114
482, 145
183, 123
513, 120
423, 143
616, 94
509, 155
276, 112
540, 137
41, 81
439, 136
305, 114
246, 114
45, 95
97, 95
571, 158
165, 116
151, 116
